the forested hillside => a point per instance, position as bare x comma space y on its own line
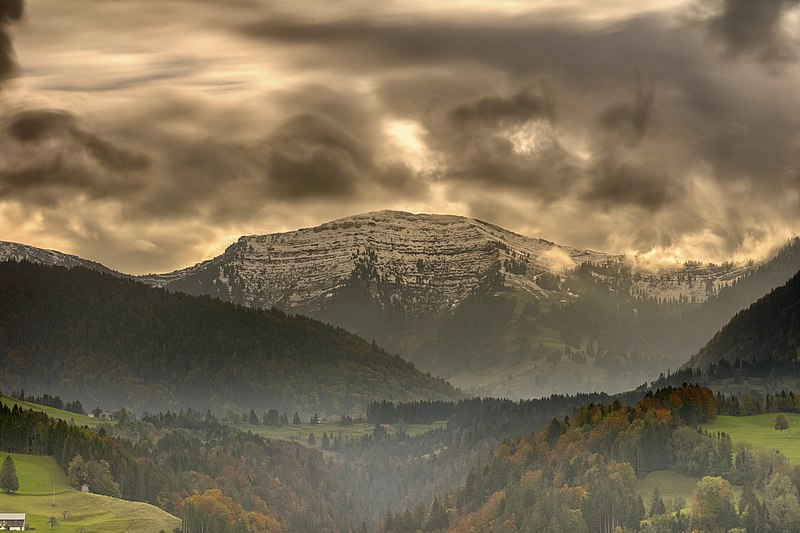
116, 342
180, 462
578, 474
768, 332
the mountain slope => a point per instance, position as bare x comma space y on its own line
116, 342
767, 333
491, 310
419, 266
12, 251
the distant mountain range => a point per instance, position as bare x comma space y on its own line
491, 310
115, 342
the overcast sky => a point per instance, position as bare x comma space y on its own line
149, 134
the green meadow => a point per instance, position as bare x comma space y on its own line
44, 493
59, 414
38, 474
300, 432
760, 432
672, 486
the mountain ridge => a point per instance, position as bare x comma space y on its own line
491, 310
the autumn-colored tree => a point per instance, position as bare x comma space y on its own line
712, 505
783, 507
213, 512
96, 474
259, 523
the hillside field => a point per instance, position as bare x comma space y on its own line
44, 492
759, 430
299, 433
671, 484
58, 414
38, 474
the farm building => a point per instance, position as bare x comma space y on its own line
12, 521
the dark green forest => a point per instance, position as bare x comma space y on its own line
768, 332
116, 342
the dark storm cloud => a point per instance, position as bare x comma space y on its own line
496, 110
33, 126
313, 157
10, 11
753, 26
484, 142
52, 153
521, 44
617, 184
633, 117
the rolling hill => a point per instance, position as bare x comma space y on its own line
44, 492
116, 342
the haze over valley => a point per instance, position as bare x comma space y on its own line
400, 267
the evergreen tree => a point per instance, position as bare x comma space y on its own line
296, 419
438, 518
326, 443
8, 476
657, 503
253, 418
311, 440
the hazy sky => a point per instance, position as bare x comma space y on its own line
149, 134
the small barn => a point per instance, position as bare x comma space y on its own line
12, 522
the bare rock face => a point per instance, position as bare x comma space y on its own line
427, 263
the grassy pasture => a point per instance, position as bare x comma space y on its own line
59, 414
672, 485
760, 432
39, 475
92, 512
300, 432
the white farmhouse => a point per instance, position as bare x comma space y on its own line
12, 522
